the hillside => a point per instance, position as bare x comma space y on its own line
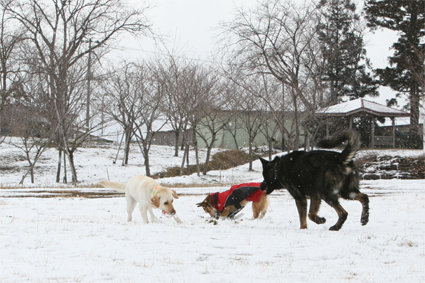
95, 164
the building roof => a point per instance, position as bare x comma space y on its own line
361, 107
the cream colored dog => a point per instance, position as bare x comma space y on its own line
149, 194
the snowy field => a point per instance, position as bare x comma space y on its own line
88, 240
95, 164
76, 239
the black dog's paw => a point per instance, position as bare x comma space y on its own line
316, 219
335, 228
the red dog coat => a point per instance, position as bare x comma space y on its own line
236, 194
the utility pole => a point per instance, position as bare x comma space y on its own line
89, 76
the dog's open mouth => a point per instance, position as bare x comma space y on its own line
167, 214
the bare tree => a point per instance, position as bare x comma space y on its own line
190, 90
232, 128
31, 128
137, 98
218, 111
123, 94
274, 40
205, 87
11, 35
250, 111
174, 76
151, 119
124, 108
275, 101
60, 32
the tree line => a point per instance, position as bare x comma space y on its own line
279, 62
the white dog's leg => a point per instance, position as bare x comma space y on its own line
178, 220
131, 204
153, 217
144, 213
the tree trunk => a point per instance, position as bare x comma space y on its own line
195, 146
32, 173
183, 161
58, 171
72, 166
176, 145
414, 111
65, 177
307, 141
234, 134
297, 126
187, 158
207, 159
250, 154
270, 148
126, 147
146, 155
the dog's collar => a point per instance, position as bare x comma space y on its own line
214, 201
216, 213
213, 204
154, 190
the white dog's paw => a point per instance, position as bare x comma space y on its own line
178, 220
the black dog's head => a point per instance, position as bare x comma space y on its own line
270, 174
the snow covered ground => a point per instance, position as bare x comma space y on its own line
88, 240
97, 164
94, 164
77, 239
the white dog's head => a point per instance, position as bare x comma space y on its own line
163, 199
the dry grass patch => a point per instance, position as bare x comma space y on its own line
220, 161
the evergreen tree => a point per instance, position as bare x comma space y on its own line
343, 49
406, 71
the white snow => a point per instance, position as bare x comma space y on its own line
75, 239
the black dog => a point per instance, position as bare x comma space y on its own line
319, 174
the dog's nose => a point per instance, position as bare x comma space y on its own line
173, 212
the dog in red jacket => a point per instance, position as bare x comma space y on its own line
227, 204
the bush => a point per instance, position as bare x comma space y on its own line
220, 161
228, 159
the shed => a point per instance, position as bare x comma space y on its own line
364, 108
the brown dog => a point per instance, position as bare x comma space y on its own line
227, 204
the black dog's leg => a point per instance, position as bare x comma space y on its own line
342, 214
314, 209
302, 211
363, 199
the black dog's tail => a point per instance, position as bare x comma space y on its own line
353, 144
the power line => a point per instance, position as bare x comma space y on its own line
124, 48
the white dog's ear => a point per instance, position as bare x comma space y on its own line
155, 200
174, 194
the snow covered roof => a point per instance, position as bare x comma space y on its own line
363, 106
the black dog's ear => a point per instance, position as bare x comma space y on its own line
263, 161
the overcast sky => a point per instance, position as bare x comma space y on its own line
191, 27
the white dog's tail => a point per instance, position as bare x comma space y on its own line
114, 186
